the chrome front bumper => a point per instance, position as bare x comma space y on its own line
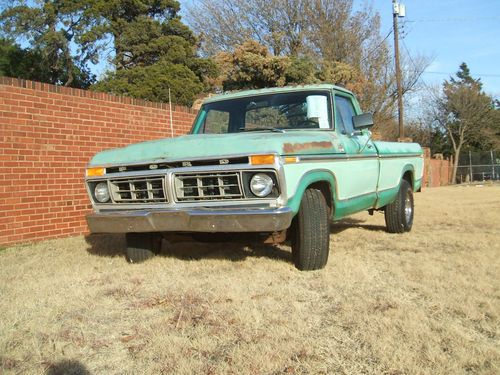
191, 220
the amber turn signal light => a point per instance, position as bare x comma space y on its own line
95, 172
262, 159
291, 159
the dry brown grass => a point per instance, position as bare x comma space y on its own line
426, 302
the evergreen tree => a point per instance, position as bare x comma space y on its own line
51, 28
154, 51
18, 62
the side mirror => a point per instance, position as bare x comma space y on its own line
363, 121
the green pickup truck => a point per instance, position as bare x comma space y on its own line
282, 162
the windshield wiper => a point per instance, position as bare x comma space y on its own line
276, 130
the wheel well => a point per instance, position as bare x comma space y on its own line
326, 190
408, 176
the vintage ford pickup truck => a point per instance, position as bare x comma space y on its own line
280, 161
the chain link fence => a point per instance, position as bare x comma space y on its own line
479, 166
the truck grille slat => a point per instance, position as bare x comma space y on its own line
138, 190
209, 186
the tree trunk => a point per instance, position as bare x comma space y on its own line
455, 164
71, 76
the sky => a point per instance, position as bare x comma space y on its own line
449, 32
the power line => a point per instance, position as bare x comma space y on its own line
457, 19
374, 49
414, 66
446, 73
476, 74
406, 29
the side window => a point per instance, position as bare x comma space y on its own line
344, 111
216, 122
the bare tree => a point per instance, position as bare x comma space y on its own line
327, 28
330, 33
463, 112
378, 93
225, 24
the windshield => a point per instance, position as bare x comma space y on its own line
274, 112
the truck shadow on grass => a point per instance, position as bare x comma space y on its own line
213, 247
234, 247
351, 223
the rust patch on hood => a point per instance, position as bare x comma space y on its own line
291, 148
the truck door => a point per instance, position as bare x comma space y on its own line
359, 175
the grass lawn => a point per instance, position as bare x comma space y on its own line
425, 302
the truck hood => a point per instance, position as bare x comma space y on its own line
211, 146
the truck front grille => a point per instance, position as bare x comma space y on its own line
207, 186
138, 190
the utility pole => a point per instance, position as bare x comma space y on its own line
398, 10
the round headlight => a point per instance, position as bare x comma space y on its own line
261, 185
101, 192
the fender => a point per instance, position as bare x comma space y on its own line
384, 197
417, 182
411, 169
319, 175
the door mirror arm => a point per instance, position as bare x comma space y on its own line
368, 139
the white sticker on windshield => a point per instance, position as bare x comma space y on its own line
317, 109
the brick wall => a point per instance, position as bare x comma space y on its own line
47, 136
437, 172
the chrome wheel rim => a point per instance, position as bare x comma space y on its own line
408, 207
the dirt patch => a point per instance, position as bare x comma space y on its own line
425, 302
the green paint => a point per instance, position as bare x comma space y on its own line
306, 180
393, 169
386, 196
353, 177
353, 205
342, 207
276, 90
361, 174
396, 148
197, 146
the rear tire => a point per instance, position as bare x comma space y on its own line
142, 246
399, 214
311, 232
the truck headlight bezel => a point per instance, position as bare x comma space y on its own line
249, 175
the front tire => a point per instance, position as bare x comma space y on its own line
399, 214
311, 232
142, 246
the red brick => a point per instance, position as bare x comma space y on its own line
49, 136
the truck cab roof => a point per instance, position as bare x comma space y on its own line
245, 93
